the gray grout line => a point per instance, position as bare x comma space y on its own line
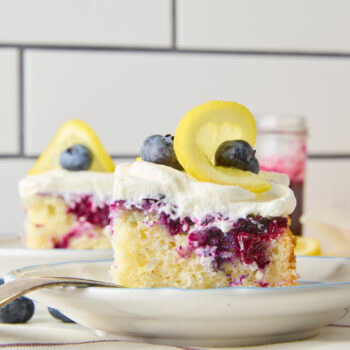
89, 48
17, 156
21, 101
329, 156
172, 50
333, 156
174, 24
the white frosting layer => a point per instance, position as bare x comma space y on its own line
139, 180
68, 184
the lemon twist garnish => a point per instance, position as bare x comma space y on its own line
202, 130
73, 132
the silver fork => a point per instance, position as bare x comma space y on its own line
14, 289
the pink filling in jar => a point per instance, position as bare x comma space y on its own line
281, 146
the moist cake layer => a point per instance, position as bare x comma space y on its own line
147, 255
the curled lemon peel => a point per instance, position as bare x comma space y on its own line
202, 130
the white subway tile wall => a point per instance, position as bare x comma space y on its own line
132, 68
326, 181
9, 101
123, 94
294, 25
86, 22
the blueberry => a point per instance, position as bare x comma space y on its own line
253, 166
238, 154
160, 149
59, 315
18, 311
75, 158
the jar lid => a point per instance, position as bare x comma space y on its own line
281, 123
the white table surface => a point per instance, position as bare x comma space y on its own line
45, 332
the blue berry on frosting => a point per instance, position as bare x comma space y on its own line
160, 149
76, 158
238, 154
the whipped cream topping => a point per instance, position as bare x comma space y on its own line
69, 184
140, 180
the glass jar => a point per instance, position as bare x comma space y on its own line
281, 147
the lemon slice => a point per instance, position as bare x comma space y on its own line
70, 133
307, 246
202, 130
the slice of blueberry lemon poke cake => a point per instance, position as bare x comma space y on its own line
67, 193
195, 212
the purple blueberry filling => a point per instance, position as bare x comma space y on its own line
247, 240
89, 215
86, 210
175, 226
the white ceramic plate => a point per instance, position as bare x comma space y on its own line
214, 317
14, 255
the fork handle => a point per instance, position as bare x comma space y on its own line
14, 289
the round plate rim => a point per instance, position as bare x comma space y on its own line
15, 274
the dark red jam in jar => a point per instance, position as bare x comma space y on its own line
281, 147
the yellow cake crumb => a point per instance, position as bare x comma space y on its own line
147, 257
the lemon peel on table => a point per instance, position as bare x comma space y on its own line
307, 246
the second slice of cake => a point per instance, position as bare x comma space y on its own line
67, 192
